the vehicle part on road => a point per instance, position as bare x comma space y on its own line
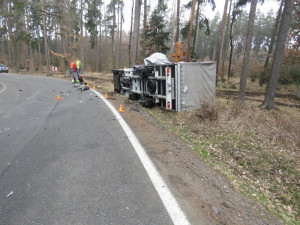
10, 193
173, 86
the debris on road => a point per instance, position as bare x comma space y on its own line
134, 109
10, 193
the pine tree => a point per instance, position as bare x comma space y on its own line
157, 36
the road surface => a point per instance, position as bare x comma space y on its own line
68, 161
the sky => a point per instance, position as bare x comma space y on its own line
266, 7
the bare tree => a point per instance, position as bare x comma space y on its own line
121, 32
221, 36
45, 38
262, 76
81, 34
196, 27
268, 102
137, 14
190, 31
130, 33
224, 50
178, 21
246, 60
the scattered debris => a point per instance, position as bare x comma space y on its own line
216, 211
134, 109
10, 193
20, 90
82, 87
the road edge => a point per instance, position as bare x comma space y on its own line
177, 215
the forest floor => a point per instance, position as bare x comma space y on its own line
226, 164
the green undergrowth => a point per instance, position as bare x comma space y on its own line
257, 150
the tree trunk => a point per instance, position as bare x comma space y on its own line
45, 38
226, 43
263, 74
81, 36
298, 91
29, 45
39, 48
173, 27
130, 34
100, 42
221, 37
113, 37
144, 29
246, 60
118, 31
177, 21
2, 40
278, 54
97, 55
231, 48
137, 15
121, 34
196, 27
11, 37
190, 31
3, 50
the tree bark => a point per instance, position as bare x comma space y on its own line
226, 43
97, 55
113, 37
39, 48
11, 37
137, 15
30, 32
196, 27
298, 91
81, 36
3, 49
221, 37
121, 36
178, 21
190, 31
144, 29
173, 26
45, 38
246, 60
130, 34
278, 54
100, 40
231, 47
2, 41
263, 74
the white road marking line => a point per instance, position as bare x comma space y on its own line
177, 215
3, 88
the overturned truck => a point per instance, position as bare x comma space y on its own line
173, 86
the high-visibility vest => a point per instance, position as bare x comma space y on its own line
72, 67
78, 65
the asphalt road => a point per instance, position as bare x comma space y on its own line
68, 161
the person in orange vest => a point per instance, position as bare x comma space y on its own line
73, 72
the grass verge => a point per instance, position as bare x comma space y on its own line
258, 150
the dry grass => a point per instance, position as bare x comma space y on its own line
259, 148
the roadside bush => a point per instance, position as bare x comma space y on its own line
207, 112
